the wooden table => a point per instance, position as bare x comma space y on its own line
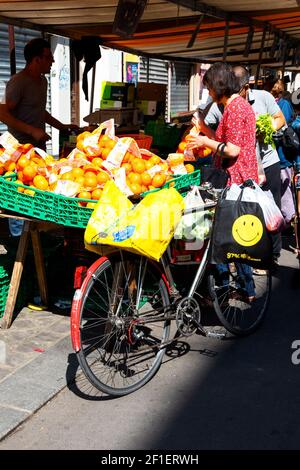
32, 227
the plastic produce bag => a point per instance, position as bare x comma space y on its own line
195, 224
145, 228
272, 214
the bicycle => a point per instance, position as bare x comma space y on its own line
295, 221
122, 313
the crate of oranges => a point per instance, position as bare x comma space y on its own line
42, 204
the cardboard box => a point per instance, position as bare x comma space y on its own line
122, 116
117, 91
107, 104
148, 108
151, 92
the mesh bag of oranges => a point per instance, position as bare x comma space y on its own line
145, 228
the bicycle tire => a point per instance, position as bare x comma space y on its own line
118, 344
238, 316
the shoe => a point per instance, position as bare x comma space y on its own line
260, 272
242, 297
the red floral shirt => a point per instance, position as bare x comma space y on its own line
237, 126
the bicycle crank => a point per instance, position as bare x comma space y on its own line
188, 316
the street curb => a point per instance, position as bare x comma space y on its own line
32, 386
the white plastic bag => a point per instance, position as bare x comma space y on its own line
272, 214
196, 223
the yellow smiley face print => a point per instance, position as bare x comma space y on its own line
247, 230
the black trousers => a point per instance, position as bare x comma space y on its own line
273, 183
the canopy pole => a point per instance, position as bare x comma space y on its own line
260, 55
12, 49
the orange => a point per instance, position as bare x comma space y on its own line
90, 172
138, 165
9, 165
105, 152
96, 194
110, 144
82, 136
102, 177
29, 192
68, 176
20, 189
97, 161
27, 147
146, 178
126, 157
40, 182
149, 164
2, 169
189, 168
29, 172
181, 147
89, 167
22, 162
90, 180
175, 159
104, 139
84, 195
158, 180
79, 146
80, 180
154, 160
135, 178
135, 188
206, 151
20, 175
77, 172
127, 166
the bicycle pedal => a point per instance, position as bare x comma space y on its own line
216, 335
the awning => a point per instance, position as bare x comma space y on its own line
240, 31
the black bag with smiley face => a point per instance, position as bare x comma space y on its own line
240, 234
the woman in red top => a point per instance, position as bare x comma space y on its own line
235, 136
236, 128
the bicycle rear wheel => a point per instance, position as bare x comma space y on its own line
239, 316
119, 319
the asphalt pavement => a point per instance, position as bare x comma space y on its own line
37, 362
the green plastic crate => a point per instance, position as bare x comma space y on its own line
26, 286
180, 182
164, 135
44, 205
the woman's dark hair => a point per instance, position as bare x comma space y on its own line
35, 48
221, 79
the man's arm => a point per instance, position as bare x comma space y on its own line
57, 124
278, 120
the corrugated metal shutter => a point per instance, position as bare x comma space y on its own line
22, 36
180, 78
4, 64
155, 71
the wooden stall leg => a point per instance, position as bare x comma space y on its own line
39, 265
16, 277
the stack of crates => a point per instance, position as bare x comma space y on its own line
166, 136
4, 284
26, 287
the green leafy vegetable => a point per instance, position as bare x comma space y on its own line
265, 129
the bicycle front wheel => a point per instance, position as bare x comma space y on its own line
122, 328
238, 315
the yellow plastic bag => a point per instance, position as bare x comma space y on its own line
144, 228
112, 205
